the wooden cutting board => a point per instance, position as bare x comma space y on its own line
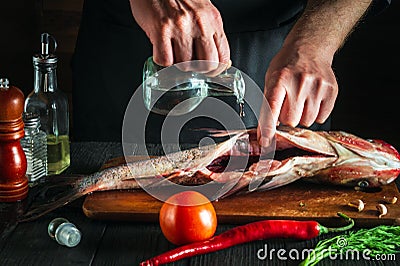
299, 200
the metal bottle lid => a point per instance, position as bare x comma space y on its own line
45, 57
31, 120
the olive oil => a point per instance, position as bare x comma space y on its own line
51, 104
58, 156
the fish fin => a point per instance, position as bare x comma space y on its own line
51, 193
242, 183
227, 189
279, 181
255, 182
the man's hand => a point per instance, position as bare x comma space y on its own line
182, 30
300, 86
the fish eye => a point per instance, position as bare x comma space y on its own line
363, 184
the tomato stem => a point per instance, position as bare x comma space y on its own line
350, 221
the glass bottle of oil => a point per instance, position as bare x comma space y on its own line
51, 104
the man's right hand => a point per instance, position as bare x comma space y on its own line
182, 30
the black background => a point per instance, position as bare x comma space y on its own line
368, 75
366, 67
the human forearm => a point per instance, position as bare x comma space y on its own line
325, 24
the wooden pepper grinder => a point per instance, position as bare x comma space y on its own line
13, 181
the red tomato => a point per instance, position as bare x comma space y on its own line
187, 217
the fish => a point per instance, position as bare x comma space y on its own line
325, 157
55, 191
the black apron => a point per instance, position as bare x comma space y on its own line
111, 49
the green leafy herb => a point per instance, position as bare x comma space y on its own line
382, 239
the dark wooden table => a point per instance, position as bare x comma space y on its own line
123, 243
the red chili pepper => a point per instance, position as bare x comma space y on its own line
301, 230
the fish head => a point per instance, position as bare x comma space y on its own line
363, 163
357, 173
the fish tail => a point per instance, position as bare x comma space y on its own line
54, 192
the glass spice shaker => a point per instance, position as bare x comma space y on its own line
34, 144
52, 106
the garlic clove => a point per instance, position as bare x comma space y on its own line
382, 209
358, 204
390, 200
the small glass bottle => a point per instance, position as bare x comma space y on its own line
34, 144
64, 232
52, 106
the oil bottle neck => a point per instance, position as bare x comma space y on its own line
45, 78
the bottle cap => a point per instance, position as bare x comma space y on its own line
45, 57
31, 120
68, 235
64, 232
